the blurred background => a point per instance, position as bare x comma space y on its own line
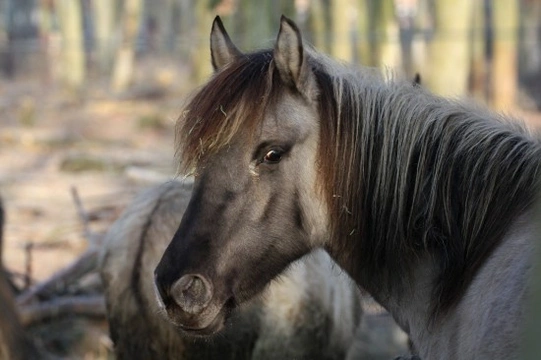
90, 90
486, 48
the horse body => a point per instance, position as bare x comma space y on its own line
310, 312
424, 201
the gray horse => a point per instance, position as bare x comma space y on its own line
426, 202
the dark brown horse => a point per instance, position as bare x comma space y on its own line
424, 201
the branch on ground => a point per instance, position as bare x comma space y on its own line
59, 281
82, 305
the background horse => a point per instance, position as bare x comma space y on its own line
312, 312
426, 202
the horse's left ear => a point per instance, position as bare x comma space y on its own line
290, 57
222, 49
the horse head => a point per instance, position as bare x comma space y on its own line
250, 137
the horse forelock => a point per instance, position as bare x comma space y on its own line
232, 101
405, 172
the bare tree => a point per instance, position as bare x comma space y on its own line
48, 33
385, 27
73, 53
123, 70
449, 51
505, 21
342, 18
105, 15
363, 36
320, 24
478, 68
201, 54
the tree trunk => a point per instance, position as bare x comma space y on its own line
449, 49
185, 30
46, 34
505, 21
14, 342
123, 71
168, 21
530, 39
319, 25
363, 36
385, 27
7, 62
478, 73
342, 17
73, 53
255, 24
201, 51
105, 16
419, 44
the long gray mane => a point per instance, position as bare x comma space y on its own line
407, 172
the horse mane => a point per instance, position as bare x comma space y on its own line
409, 173
403, 171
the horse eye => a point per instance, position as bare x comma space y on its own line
272, 157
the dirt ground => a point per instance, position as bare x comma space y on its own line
106, 149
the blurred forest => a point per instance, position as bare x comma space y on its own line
90, 90
487, 48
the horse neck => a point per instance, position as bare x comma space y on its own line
419, 185
409, 301
501, 283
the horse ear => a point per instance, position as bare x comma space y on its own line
222, 49
417, 80
290, 57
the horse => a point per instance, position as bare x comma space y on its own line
313, 311
426, 202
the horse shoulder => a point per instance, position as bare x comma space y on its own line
487, 322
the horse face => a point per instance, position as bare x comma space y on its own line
253, 211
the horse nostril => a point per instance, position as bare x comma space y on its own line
192, 293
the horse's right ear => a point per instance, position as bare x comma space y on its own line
222, 49
290, 58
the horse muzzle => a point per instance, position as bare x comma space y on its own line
188, 304
192, 293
